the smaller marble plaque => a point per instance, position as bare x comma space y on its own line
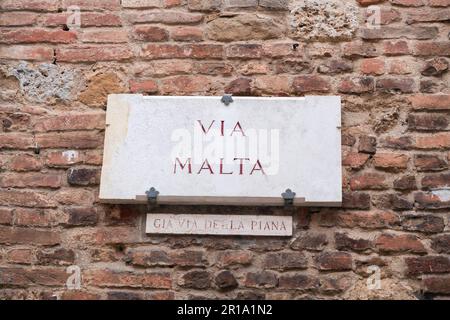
260, 225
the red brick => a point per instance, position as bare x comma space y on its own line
435, 48
82, 121
186, 34
408, 3
298, 282
81, 216
94, 54
89, 19
262, 279
440, 285
355, 160
104, 36
344, 242
428, 264
9, 235
36, 35
195, 51
430, 102
430, 201
11, 19
334, 261
396, 48
20, 256
285, 261
391, 243
441, 243
436, 181
400, 66
25, 199
439, 15
73, 140
426, 162
83, 176
276, 85
110, 278
244, 51
185, 84
150, 33
87, 5
357, 85
425, 223
369, 2
64, 158
367, 219
6, 216
32, 5
439, 3
32, 180
34, 217
79, 295
355, 200
396, 85
234, 258
373, 66
435, 141
304, 84
165, 17
239, 87
34, 53
405, 183
428, 121
369, 181
25, 162
148, 86
408, 32
38, 276
390, 161
359, 49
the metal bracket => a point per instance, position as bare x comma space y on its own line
288, 197
152, 195
227, 99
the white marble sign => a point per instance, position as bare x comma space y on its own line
260, 225
197, 150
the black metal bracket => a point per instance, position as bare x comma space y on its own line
152, 195
227, 99
288, 197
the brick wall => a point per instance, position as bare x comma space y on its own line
393, 80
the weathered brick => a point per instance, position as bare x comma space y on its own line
234, 258
334, 261
285, 261
225, 280
376, 219
148, 86
6, 216
35, 35
25, 162
94, 53
186, 34
87, 5
434, 181
303, 84
431, 201
185, 84
26, 199
437, 285
431, 102
33, 5
112, 278
423, 223
59, 256
428, 264
262, 279
20, 256
355, 160
427, 162
150, 33
84, 121
34, 217
115, 35
368, 181
391, 243
81, 216
89, 19
396, 48
441, 243
14, 19
427, 121
73, 140
344, 242
405, 183
355, 200
367, 144
373, 66
9, 235
396, 85
435, 141
239, 87
276, 85
165, 17
310, 241
244, 51
434, 48
25, 277
196, 279
298, 281
83, 176
356, 85
387, 32
390, 161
